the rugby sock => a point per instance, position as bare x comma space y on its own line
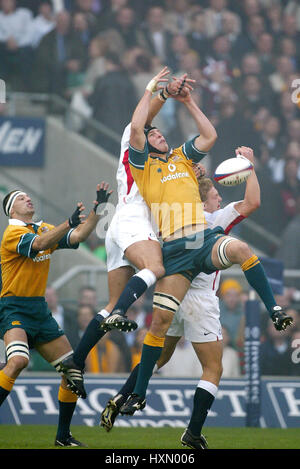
6, 385
67, 403
203, 399
135, 287
90, 338
256, 277
151, 351
129, 385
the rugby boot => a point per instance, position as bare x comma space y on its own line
73, 375
134, 403
280, 319
195, 442
117, 320
111, 411
69, 441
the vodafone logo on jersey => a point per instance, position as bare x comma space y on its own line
171, 177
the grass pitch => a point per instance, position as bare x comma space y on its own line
42, 437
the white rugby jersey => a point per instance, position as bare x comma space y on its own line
227, 218
127, 189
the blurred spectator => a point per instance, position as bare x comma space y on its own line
252, 96
178, 49
265, 51
231, 308
276, 352
80, 37
157, 36
16, 54
293, 9
231, 359
280, 78
290, 27
247, 39
41, 24
289, 190
271, 138
107, 18
274, 19
177, 18
214, 16
52, 56
288, 48
196, 35
113, 91
221, 54
65, 318
86, 8
289, 251
126, 30
87, 296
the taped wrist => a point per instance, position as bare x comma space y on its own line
152, 86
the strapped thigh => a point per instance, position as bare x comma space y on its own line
221, 251
166, 302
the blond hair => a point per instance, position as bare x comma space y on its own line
205, 184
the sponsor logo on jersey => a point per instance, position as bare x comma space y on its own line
171, 177
45, 257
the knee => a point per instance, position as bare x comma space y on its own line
239, 252
157, 269
17, 364
160, 323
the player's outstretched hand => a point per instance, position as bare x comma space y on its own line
153, 84
246, 152
180, 85
77, 217
103, 195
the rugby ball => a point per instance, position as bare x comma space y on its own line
233, 171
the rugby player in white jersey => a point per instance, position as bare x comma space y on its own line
198, 318
131, 243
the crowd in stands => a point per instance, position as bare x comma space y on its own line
245, 57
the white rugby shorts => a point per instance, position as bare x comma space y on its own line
198, 318
130, 224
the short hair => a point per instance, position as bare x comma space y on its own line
205, 184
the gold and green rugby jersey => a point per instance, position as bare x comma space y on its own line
25, 271
169, 187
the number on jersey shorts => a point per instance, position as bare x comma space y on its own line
130, 224
198, 318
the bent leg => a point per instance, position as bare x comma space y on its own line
147, 257
238, 252
117, 280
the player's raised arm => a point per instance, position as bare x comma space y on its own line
50, 238
141, 113
208, 135
83, 230
251, 200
